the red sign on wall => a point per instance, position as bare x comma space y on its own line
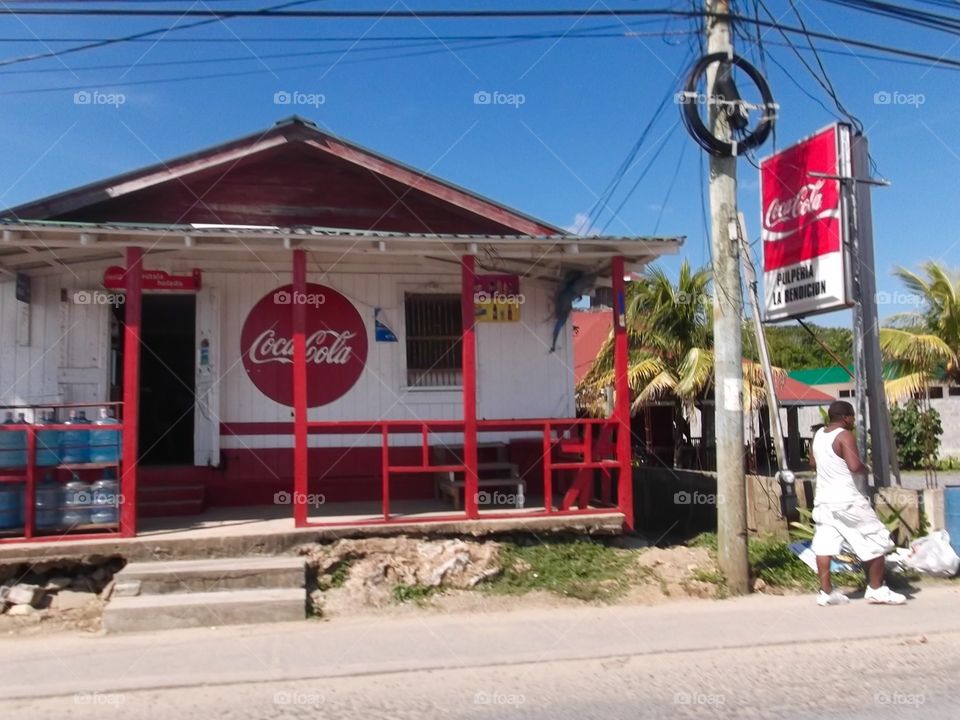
336, 344
803, 225
115, 278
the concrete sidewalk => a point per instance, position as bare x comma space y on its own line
64, 665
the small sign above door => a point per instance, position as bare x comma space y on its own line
115, 278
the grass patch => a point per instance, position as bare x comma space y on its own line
774, 563
414, 593
336, 576
706, 540
714, 577
580, 569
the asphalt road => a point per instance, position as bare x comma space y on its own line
871, 679
758, 657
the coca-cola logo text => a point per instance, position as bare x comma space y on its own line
335, 338
324, 346
808, 201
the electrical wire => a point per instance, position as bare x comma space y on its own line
135, 36
601, 204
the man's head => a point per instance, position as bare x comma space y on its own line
841, 412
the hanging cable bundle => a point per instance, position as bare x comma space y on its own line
726, 98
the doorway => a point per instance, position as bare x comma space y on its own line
167, 379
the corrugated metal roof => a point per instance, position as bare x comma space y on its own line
227, 230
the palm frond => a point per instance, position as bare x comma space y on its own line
914, 349
906, 386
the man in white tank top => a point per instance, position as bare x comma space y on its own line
841, 513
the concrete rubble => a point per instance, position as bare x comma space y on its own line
44, 591
374, 566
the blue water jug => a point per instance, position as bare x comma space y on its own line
48, 441
77, 503
13, 444
75, 444
105, 442
11, 505
106, 499
47, 504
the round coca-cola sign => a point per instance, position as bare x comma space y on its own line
336, 344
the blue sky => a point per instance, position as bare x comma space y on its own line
584, 104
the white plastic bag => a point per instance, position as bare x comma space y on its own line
933, 555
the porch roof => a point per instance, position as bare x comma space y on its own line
43, 246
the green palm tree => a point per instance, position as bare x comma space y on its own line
670, 345
924, 345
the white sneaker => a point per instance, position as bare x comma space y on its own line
883, 596
834, 598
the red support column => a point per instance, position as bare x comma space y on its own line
131, 392
299, 390
469, 347
621, 410
30, 495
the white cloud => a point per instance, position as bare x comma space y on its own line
581, 225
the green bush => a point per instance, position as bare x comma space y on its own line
917, 434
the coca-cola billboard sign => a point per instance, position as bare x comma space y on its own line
336, 344
803, 225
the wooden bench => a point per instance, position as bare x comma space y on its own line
498, 473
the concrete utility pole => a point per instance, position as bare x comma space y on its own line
728, 343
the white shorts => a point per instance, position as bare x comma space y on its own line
857, 523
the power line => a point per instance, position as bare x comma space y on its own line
420, 41
127, 38
494, 14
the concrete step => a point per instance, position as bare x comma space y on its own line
204, 609
214, 575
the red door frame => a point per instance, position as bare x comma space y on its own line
621, 408
469, 362
300, 468
131, 391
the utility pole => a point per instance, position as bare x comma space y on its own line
728, 342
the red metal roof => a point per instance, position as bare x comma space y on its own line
590, 329
794, 392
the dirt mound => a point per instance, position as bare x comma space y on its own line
365, 572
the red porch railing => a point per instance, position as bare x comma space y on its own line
579, 446
26, 475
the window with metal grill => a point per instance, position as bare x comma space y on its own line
434, 327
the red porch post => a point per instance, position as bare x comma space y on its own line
131, 392
469, 347
299, 389
621, 409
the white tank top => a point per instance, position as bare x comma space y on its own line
835, 484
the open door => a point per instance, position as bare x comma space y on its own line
206, 425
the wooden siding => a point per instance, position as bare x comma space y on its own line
517, 375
